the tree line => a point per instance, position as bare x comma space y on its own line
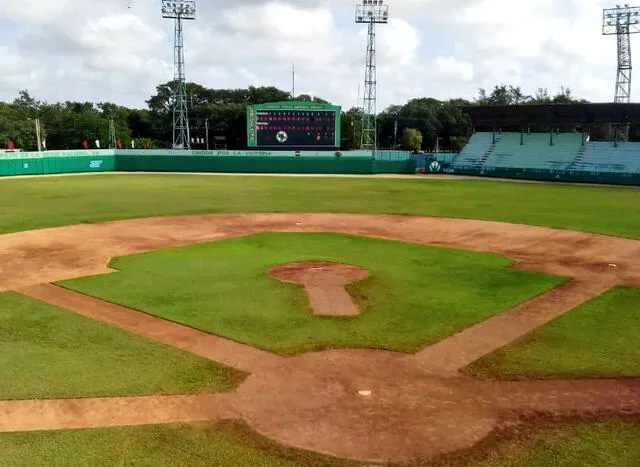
220, 115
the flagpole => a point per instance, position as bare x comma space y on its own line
293, 82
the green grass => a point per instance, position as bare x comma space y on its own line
49, 353
612, 443
415, 295
44, 202
598, 339
225, 445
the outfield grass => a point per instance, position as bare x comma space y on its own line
415, 294
49, 353
611, 443
598, 339
53, 201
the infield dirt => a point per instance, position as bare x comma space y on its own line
416, 406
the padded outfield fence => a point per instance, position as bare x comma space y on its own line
569, 176
60, 162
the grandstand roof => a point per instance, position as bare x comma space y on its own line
550, 114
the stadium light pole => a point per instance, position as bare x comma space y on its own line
179, 11
622, 21
371, 12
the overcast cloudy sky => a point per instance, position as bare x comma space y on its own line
119, 50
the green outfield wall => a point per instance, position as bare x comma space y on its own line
568, 176
59, 162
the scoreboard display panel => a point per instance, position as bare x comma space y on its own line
293, 125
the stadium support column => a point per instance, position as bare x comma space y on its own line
179, 11
622, 21
371, 13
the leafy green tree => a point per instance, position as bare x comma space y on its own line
351, 129
411, 140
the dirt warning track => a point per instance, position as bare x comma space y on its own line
360, 404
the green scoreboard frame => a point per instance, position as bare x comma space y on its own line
293, 125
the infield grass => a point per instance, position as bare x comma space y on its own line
609, 443
225, 445
415, 295
49, 353
597, 339
27, 204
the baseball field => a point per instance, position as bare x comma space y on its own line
193, 320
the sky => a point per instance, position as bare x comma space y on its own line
120, 50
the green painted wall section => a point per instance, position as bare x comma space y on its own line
30, 164
569, 176
380, 155
273, 164
59, 162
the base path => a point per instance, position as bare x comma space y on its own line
360, 404
126, 411
227, 352
453, 354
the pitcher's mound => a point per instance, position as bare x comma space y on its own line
325, 283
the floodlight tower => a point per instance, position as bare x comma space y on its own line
179, 11
371, 12
622, 21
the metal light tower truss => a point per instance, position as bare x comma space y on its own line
622, 21
179, 11
371, 12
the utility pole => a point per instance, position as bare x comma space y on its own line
112, 134
395, 133
39, 134
206, 129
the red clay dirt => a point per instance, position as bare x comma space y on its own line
414, 406
325, 284
107, 412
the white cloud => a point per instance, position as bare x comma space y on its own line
452, 69
120, 50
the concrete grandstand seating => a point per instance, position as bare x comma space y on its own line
536, 152
478, 147
605, 157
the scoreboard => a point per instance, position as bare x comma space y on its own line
293, 125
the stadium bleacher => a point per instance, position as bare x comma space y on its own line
478, 146
535, 152
605, 157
